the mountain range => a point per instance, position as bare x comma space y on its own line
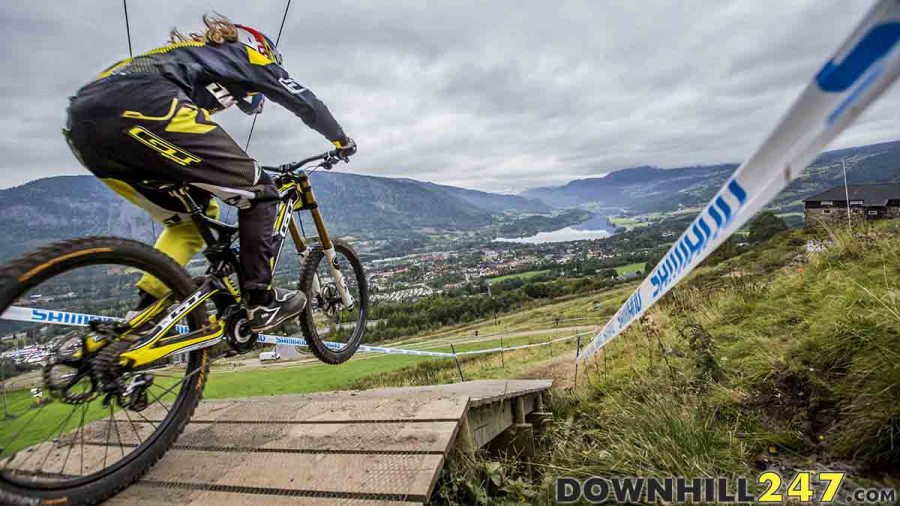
61, 207
655, 189
70, 206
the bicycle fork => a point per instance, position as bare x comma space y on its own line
328, 249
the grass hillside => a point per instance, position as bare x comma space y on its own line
772, 359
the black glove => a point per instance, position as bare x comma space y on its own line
346, 147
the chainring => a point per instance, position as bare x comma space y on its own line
237, 330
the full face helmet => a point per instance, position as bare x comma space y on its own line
258, 41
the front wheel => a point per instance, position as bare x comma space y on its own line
334, 331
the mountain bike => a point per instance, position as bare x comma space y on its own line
121, 390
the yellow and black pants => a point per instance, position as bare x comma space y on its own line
140, 132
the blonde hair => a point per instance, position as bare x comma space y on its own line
219, 30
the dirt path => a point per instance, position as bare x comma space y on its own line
560, 369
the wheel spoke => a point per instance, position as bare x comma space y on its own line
82, 439
19, 433
108, 432
146, 420
62, 427
55, 447
72, 445
166, 391
136, 433
116, 425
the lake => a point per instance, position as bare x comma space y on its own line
595, 227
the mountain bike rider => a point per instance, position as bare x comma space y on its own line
145, 122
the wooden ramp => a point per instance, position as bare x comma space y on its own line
383, 446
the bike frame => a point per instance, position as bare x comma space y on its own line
295, 195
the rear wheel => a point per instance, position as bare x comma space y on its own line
333, 331
62, 438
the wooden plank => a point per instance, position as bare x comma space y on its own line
72, 460
153, 495
341, 409
407, 475
428, 402
383, 446
487, 391
489, 420
424, 437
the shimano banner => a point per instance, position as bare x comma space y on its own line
865, 65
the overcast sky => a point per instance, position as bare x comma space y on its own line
498, 95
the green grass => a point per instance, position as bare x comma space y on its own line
795, 359
31, 424
301, 379
475, 367
629, 223
640, 220
520, 275
630, 268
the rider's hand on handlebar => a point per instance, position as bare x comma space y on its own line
346, 147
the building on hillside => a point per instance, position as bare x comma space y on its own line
867, 202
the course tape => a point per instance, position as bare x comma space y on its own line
299, 341
865, 65
37, 315
522, 346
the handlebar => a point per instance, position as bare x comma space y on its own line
329, 159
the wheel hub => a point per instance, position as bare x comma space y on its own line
331, 300
67, 374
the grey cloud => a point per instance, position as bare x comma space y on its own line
494, 95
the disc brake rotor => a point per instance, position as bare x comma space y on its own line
331, 300
67, 374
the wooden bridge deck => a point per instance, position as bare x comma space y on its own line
384, 446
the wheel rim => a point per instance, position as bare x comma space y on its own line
336, 325
48, 441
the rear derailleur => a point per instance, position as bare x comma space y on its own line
134, 395
74, 376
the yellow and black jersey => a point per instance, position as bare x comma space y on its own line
217, 76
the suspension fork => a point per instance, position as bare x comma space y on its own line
309, 201
303, 253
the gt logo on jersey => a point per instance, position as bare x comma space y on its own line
291, 85
166, 149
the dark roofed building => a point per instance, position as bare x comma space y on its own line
867, 202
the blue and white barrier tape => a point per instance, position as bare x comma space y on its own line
520, 347
865, 65
52, 316
299, 341
38, 315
